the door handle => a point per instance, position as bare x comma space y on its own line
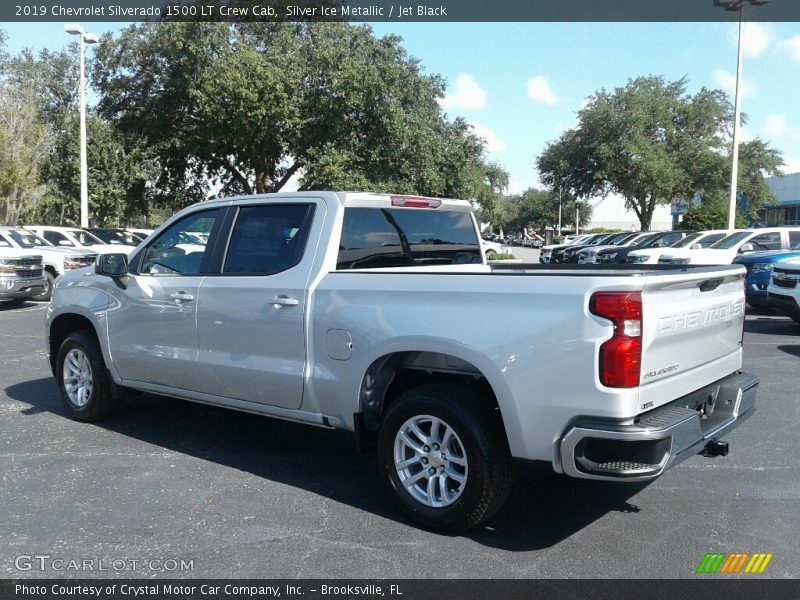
279, 301
181, 296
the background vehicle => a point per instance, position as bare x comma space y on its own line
493, 248
621, 254
784, 289
555, 254
570, 254
740, 242
56, 260
21, 274
366, 312
72, 237
759, 267
588, 255
142, 233
115, 236
698, 239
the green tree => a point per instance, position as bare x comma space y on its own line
24, 142
648, 141
710, 214
756, 158
247, 107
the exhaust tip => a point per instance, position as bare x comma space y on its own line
716, 448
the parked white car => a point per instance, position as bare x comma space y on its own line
73, 237
56, 260
681, 248
740, 242
492, 248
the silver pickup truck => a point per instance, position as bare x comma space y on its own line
378, 314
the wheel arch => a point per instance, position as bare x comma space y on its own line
404, 365
62, 326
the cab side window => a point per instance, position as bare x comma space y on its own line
180, 249
794, 240
767, 241
268, 239
56, 238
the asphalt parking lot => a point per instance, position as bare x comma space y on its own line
246, 496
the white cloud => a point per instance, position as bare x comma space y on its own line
515, 188
793, 46
539, 90
493, 142
755, 39
791, 165
775, 125
465, 94
727, 82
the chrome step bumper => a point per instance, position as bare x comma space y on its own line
661, 438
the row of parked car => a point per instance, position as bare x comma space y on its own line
770, 255
31, 257
526, 241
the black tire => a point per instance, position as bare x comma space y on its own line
101, 401
48, 291
480, 429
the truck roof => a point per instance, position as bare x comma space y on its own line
353, 199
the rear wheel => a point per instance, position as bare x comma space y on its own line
444, 457
83, 382
490, 254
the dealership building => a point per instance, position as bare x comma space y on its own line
786, 210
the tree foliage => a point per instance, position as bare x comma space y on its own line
708, 215
248, 107
648, 141
24, 141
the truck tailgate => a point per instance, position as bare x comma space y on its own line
691, 332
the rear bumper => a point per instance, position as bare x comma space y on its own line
661, 438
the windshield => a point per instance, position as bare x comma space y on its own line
731, 240
85, 238
116, 237
622, 238
26, 239
643, 241
687, 241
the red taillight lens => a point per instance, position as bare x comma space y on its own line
621, 356
415, 202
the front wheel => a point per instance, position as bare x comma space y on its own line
83, 381
444, 457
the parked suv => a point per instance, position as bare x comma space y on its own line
57, 261
784, 289
21, 274
759, 267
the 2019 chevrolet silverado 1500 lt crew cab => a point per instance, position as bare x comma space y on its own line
378, 314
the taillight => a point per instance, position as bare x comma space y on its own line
415, 202
621, 356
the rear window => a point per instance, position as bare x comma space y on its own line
399, 237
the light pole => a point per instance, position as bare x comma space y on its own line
85, 38
736, 5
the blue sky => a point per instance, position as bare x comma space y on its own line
522, 83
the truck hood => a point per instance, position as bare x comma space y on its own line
768, 256
704, 256
18, 252
110, 249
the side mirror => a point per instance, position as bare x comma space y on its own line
111, 265
696, 246
746, 248
65, 243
